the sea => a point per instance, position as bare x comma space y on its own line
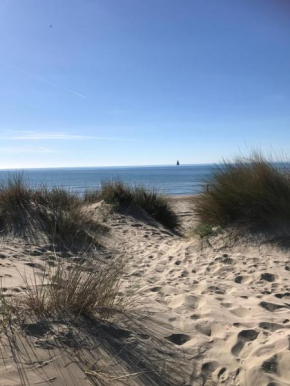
169, 180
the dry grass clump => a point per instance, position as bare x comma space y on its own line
91, 196
250, 192
63, 218
68, 227
156, 205
57, 212
15, 203
89, 288
56, 198
115, 192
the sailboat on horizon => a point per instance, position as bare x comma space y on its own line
177, 163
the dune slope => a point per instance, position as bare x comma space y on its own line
206, 316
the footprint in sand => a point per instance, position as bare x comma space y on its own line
240, 311
227, 305
208, 368
270, 326
215, 289
204, 327
35, 265
178, 339
283, 295
272, 306
222, 374
267, 277
270, 365
241, 279
225, 260
155, 289
195, 316
181, 302
244, 337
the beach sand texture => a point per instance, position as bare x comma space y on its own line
212, 315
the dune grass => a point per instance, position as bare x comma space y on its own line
15, 203
57, 212
89, 288
63, 218
91, 196
115, 192
253, 193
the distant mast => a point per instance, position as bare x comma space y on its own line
177, 163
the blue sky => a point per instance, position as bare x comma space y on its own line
134, 82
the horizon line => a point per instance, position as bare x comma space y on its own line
112, 166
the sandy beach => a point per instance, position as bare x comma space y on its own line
203, 315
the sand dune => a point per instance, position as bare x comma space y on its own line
220, 316
228, 309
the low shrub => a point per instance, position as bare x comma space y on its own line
250, 192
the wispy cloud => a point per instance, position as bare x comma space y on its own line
42, 79
39, 136
26, 149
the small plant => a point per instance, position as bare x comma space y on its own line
250, 192
157, 206
203, 230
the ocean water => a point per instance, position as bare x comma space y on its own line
170, 180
